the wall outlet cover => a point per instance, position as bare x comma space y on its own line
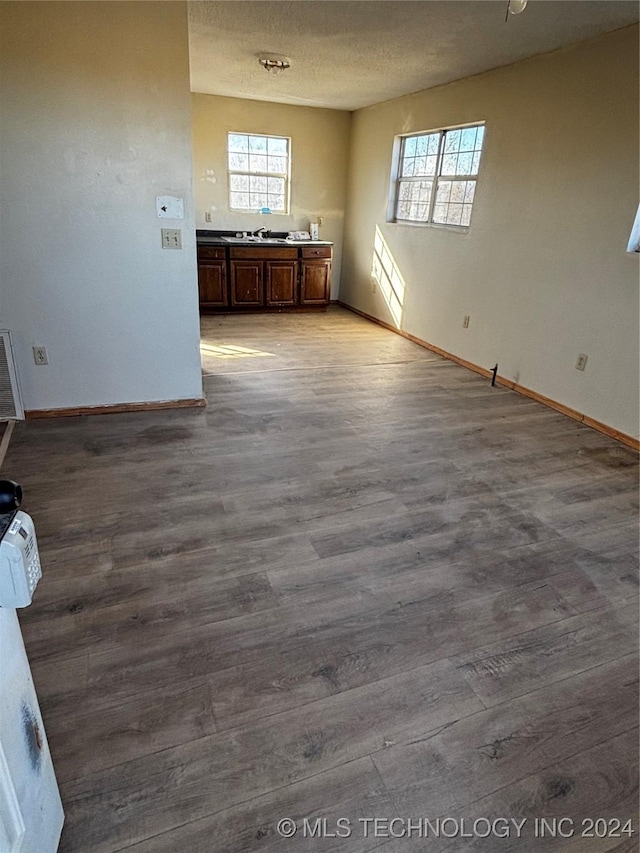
581, 361
40, 355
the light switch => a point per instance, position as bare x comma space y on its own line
171, 238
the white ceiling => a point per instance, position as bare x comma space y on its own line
346, 54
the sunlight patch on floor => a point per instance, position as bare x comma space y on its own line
226, 351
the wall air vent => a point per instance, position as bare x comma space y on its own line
10, 402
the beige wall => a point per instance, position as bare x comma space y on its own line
319, 157
96, 121
543, 270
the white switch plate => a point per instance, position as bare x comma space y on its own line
170, 207
171, 238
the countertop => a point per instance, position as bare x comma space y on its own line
216, 238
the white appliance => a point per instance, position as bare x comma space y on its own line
19, 562
31, 814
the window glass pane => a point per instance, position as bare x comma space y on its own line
476, 163
413, 200
468, 139
239, 200
257, 200
257, 145
238, 162
449, 164
276, 202
410, 146
257, 163
421, 145
275, 185
457, 191
433, 143
277, 165
465, 163
257, 184
238, 142
452, 141
421, 166
408, 167
239, 183
277, 146
450, 208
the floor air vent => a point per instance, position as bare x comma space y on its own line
10, 402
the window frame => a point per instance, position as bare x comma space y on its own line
284, 175
397, 178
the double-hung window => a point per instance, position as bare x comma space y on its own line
436, 176
258, 172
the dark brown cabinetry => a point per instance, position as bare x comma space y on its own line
212, 278
267, 277
315, 275
247, 286
282, 282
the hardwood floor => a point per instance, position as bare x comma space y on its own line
361, 583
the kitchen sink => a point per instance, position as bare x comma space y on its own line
267, 240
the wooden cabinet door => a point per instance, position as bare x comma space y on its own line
212, 284
247, 286
315, 284
281, 279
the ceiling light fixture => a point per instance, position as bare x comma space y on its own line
273, 63
516, 7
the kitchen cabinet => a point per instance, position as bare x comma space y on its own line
282, 282
266, 277
247, 285
315, 275
212, 277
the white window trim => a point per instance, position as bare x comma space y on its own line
394, 183
286, 175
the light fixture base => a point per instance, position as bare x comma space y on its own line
274, 63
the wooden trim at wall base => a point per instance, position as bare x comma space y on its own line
116, 408
622, 437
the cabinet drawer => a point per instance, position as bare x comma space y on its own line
266, 253
316, 251
210, 253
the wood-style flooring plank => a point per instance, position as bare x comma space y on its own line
357, 553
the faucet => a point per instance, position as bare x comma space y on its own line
259, 233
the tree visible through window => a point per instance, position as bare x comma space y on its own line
437, 175
258, 172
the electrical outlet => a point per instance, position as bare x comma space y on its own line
465, 322
207, 216
40, 355
581, 361
320, 220
171, 238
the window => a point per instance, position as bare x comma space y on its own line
258, 172
437, 175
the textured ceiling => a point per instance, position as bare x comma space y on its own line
347, 54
